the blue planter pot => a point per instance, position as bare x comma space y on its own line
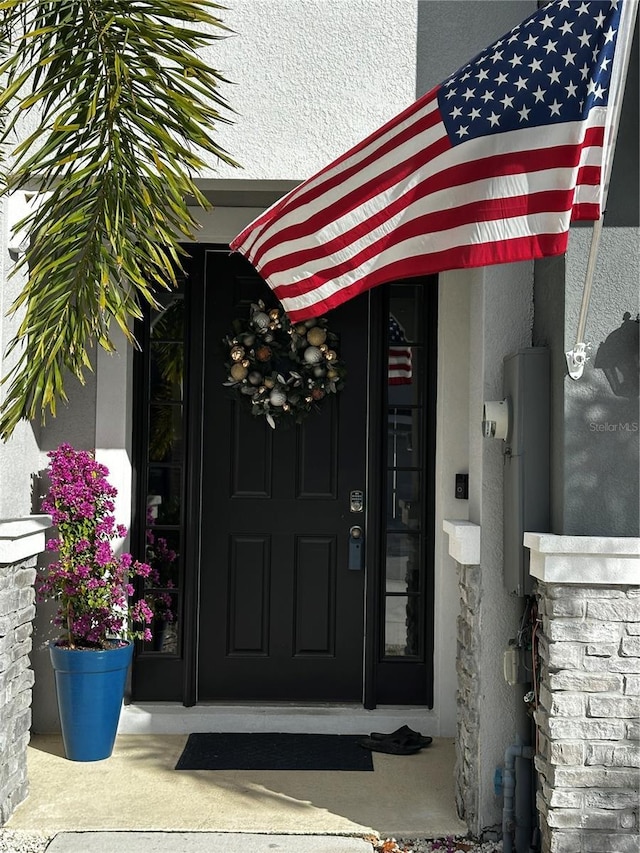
90, 687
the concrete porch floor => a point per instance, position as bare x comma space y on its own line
138, 789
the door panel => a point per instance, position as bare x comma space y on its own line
281, 615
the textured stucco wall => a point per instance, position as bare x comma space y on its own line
452, 456
501, 318
485, 315
311, 79
595, 434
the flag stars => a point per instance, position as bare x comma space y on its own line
535, 75
571, 90
584, 39
600, 19
539, 94
599, 92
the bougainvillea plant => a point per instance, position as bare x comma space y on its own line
91, 583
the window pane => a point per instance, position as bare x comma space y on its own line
165, 627
166, 371
163, 555
401, 626
403, 500
163, 494
168, 323
165, 433
404, 376
405, 306
403, 443
403, 563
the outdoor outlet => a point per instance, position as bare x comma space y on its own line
514, 668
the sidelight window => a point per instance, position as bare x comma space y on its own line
405, 636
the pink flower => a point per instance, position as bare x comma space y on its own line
92, 586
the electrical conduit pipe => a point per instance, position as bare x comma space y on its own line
516, 799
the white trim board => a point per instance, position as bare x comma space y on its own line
169, 718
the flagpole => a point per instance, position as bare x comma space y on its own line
578, 357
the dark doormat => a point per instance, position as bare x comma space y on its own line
264, 751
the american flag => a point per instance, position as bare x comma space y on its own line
488, 167
399, 359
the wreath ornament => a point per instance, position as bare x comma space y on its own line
282, 371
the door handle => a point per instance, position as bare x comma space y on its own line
356, 549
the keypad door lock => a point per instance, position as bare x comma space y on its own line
356, 500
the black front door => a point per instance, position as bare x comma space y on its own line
281, 613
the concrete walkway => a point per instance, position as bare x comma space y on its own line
139, 792
202, 842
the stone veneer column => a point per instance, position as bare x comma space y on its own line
464, 547
589, 697
20, 541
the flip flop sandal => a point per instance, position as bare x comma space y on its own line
405, 732
391, 745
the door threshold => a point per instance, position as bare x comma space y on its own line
175, 719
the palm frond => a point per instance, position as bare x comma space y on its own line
126, 112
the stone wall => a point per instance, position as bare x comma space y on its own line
17, 610
466, 771
589, 706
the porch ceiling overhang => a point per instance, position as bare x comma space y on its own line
242, 193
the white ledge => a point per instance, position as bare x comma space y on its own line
464, 541
586, 560
21, 538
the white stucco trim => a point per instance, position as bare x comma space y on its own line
21, 538
586, 560
464, 541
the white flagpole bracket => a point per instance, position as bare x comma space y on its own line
577, 358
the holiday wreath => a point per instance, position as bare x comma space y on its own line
282, 370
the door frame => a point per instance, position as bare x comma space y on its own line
184, 671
